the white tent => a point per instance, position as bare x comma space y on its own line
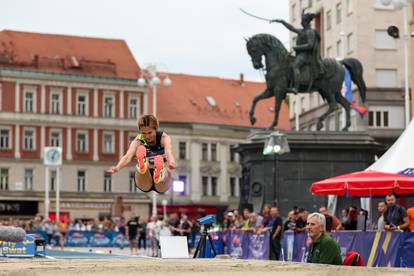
400, 156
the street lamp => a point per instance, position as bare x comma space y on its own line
150, 77
398, 5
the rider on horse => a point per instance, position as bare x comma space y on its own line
307, 51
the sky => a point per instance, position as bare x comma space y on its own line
180, 36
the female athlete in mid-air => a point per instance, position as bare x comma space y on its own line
151, 148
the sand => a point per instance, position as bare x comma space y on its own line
158, 267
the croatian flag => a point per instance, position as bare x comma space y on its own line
347, 93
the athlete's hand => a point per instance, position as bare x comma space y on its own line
172, 165
112, 169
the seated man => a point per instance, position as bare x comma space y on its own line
324, 249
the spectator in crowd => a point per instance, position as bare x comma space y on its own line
266, 215
352, 220
344, 215
246, 218
302, 217
133, 226
276, 224
290, 223
410, 214
395, 217
50, 230
185, 227
328, 224
174, 224
153, 230
142, 237
382, 206
336, 223
121, 230
324, 249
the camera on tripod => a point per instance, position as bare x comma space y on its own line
210, 219
201, 249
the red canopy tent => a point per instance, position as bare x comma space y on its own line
365, 183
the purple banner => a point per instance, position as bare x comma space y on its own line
376, 248
257, 246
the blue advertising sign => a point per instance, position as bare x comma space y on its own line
20, 249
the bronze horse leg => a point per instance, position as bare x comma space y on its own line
264, 95
280, 94
332, 106
344, 102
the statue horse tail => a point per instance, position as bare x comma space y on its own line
355, 69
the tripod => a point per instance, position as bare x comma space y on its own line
201, 247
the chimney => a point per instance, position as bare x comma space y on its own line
241, 79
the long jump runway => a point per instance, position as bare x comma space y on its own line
74, 254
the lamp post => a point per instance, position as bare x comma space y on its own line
150, 78
403, 5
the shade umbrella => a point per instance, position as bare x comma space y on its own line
365, 183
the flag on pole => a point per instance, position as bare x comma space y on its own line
347, 93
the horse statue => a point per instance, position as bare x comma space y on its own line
279, 78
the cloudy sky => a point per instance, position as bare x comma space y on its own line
181, 36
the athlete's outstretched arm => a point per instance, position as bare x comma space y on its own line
126, 159
166, 143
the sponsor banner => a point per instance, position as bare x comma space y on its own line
19, 249
257, 246
77, 238
377, 249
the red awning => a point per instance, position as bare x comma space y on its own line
365, 183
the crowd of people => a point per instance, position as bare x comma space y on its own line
143, 233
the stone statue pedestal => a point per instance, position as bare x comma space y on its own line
285, 179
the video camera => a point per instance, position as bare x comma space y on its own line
209, 219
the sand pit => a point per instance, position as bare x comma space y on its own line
157, 267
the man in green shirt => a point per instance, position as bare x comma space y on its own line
324, 249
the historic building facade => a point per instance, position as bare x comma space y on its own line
77, 93
357, 29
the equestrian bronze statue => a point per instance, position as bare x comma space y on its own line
305, 72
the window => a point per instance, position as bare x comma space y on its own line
384, 41
28, 101
204, 153
29, 139
81, 105
182, 150
108, 144
81, 143
204, 182
107, 182
302, 105
133, 108
108, 106
5, 138
386, 77
132, 186
183, 178
213, 186
81, 181
55, 138
339, 49
378, 118
350, 41
338, 13
55, 103
214, 152
329, 51
293, 12
348, 6
233, 153
232, 186
28, 179
4, 179
53, 179
328, 20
